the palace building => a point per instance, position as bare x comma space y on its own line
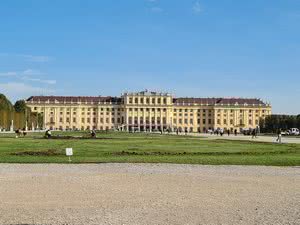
149, 111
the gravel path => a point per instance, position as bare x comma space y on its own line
285, 140
148, 194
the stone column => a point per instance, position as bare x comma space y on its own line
126, 119
45, 118
12, 125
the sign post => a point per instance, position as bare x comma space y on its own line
69, 152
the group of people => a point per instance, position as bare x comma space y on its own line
21, 132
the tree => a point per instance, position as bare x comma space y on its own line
273, 122
5, 104
20, 106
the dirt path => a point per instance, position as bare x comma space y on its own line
148, 194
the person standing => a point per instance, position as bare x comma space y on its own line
228, 132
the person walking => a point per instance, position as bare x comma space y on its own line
279, 136
235, 132
253, 133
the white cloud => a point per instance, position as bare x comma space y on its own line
8, 74
36, 58
156, 9
30, 72
28, 75
20, 90
28, 57
197, 7
39, 80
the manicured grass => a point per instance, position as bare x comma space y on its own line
145, 148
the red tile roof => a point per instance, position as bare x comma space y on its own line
118, 100
219, 101
74, 99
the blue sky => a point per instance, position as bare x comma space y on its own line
228, 48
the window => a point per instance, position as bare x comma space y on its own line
94, 120
158, 101
68, 119
74, 120
107, 120
225, 121
60, 119
136, 100
153, 100
142, 100
218, 121
82, 120
165, 101
174, 120
130, 100
191, 121
185, 121
88, 120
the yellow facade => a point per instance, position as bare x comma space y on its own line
149, 111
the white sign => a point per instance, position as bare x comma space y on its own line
69, 151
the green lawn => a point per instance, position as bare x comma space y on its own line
145, 148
